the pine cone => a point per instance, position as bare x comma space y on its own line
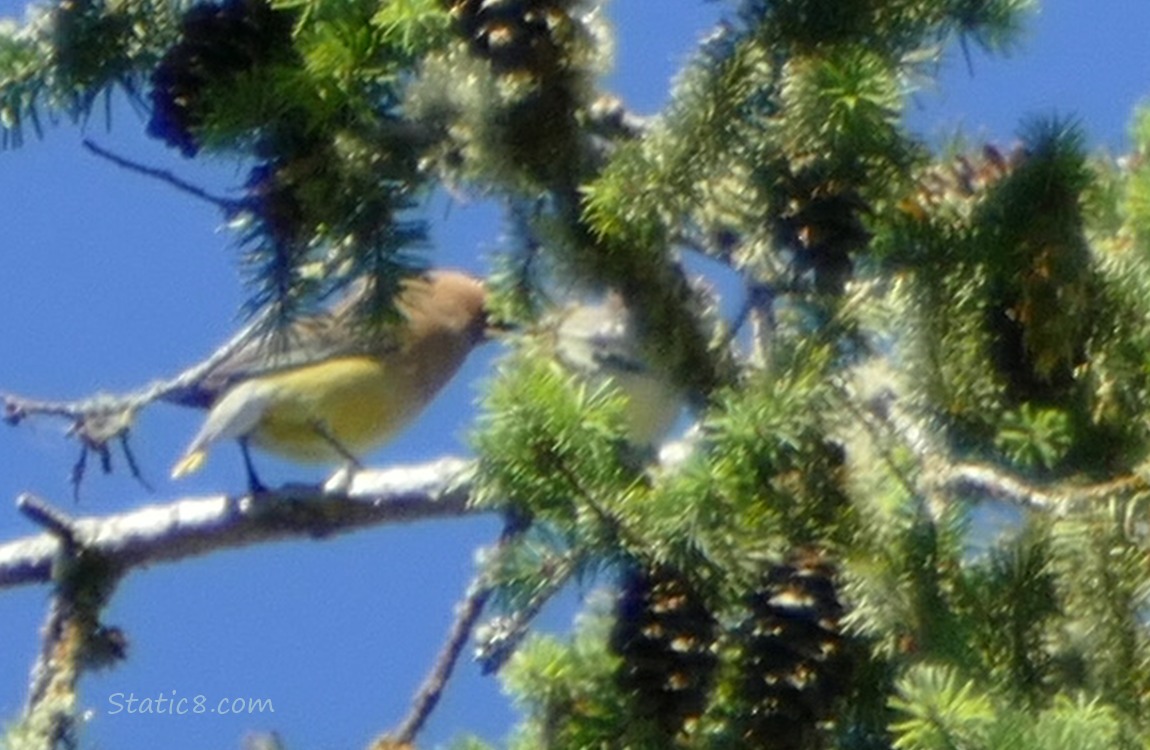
90, 40
960, 182
515, 36
664, 634
793, 662
543, 51
273, 196
1038, 319
823, 224
218, 43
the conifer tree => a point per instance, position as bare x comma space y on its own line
922, 331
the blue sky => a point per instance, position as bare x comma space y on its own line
112, 280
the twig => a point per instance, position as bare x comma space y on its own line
198, 526
229, 206
877, 427
467, 613
17, 408
53, 519
717, 246
759, 309
98, 420
427, 697
133, 465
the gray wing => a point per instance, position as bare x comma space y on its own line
310, 339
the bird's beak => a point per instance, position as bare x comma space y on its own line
495, 329
498, 329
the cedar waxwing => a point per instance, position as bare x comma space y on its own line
599, 343
334, 392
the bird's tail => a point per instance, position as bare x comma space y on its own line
191, 462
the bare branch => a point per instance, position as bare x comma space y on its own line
53, 519
938, 472
74, 639
100, 419
49, 715
467, 613
198, 526
1058, 497
229, 206
107, 406
86, 558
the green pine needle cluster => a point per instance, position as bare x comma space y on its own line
944, 711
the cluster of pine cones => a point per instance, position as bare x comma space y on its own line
788, 652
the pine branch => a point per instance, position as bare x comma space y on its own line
198, 526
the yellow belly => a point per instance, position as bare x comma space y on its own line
352, 401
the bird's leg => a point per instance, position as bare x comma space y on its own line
133, 467
322, 430
340, 481
255, 486
78, 471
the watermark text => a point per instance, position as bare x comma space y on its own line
174, 704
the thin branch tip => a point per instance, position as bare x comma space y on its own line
229, 206
467, 613
40, 511
13, 412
